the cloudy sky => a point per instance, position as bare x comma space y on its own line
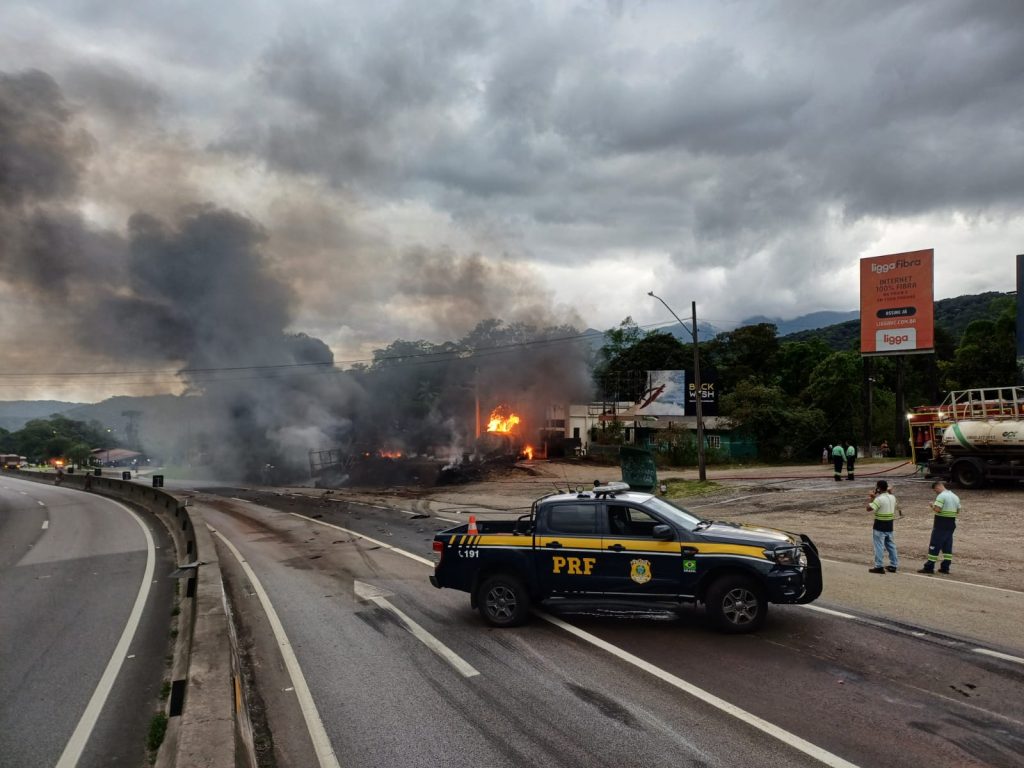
406, 169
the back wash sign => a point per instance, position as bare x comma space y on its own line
897, 303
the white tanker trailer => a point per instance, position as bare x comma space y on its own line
977, 450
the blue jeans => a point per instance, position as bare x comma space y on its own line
884, 541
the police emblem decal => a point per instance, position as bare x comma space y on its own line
640, 571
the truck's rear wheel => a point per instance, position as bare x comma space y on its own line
503, 601
967, 474
736, 604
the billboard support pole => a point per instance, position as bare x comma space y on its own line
1020, 318
869, 381
901, 411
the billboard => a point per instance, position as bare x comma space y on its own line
665, 395
709, 394
897, 304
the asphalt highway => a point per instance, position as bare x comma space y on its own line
611, 687
84, 619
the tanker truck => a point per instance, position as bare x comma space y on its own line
982, 438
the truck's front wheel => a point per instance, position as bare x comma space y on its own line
736, 604
503, 601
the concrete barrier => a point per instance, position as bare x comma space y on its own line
201, 710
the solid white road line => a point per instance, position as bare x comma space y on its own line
378, 542
379, 597
238, 499
816, 752
935, 579
76, 744
793, 740
46, 524
998, 655
830, 612
314, 724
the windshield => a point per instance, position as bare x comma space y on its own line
677, 514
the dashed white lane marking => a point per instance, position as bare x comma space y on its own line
378, 542
998, 655
823, 756
885, 625
379, 597
46, 524
23, 493
76, 744
314, 724
41, 503
812, 750
238, 499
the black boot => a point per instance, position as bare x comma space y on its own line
944, 568
929, 567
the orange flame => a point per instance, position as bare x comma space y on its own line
528, 452
390, 454
502, 420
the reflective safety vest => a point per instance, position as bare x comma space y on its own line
837, 452
946, 504
851, 452
884, 505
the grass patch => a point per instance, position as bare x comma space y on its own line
176, 610
165, 690
157, 730
687, 488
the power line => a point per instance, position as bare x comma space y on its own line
155, 375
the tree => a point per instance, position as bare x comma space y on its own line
795, 361
748, 352
987, 354
780, 428
835, 390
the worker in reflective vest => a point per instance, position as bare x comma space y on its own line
946, 507
838, 456
851, 457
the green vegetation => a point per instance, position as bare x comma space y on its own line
797, 394
157, 731
676, 489
56, 437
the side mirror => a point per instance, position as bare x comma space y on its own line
663, 532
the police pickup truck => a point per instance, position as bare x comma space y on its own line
613, 544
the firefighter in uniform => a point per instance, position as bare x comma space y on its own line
851, 457
838, 455
946, 506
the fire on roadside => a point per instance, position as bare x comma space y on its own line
528, 452
502, 420
390, 454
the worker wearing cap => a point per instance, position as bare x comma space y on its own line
884, 505
851, 457
946, 507
838, 456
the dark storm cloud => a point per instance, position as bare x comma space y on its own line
40, 154
759, 128
112, 91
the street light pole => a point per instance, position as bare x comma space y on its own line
702, 472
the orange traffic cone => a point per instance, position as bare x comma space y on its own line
473, 531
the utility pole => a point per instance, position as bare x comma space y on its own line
702, 471
476, 393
